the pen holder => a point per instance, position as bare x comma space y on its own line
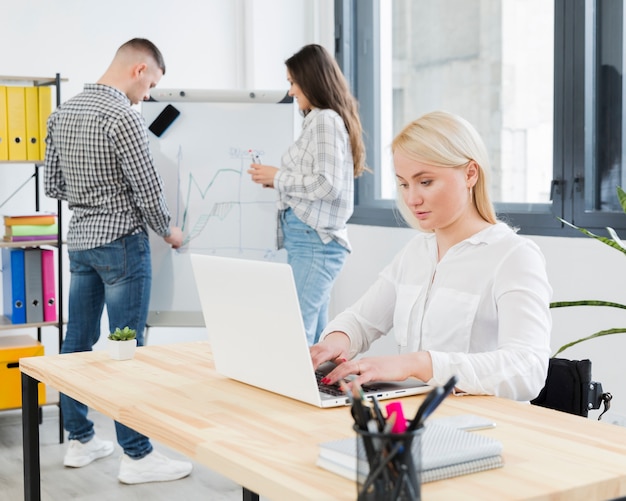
388, 465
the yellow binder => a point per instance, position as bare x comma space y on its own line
16, 121
45, 108
31, 99
4, 139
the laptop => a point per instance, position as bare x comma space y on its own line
257, 336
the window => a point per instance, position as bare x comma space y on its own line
540, 79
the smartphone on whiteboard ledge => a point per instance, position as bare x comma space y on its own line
164, 120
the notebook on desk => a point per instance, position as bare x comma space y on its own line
444, 451
257, 336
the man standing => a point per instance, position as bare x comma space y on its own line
98, 160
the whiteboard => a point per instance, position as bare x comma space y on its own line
203, 158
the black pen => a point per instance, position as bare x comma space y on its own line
357, 409
377, 412
431, 402
362, 414
433, 395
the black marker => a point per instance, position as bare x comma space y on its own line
255, 157
431, 402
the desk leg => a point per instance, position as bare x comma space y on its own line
249, 495
30, 438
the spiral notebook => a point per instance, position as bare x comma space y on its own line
446, 452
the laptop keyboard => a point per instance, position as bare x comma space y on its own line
331, 389
334, 389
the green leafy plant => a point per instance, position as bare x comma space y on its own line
617, 244
125, 334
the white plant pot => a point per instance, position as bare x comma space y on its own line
122, 350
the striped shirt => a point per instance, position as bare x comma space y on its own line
98, 160
316, 178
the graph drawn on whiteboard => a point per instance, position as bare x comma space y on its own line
220, 211
203, 158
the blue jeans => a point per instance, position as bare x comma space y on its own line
118, 275
315, 266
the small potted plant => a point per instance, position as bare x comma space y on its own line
122, 343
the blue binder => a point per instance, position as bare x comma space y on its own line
13, 283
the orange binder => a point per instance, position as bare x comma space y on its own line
16, 122
43, 218
4, 139
45, 108
31, 110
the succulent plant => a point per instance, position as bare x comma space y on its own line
125, 334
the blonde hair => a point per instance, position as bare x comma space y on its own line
442, 139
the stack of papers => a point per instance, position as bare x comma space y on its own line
446, 452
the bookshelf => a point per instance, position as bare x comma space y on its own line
37, 163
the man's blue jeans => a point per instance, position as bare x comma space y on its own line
117, 275
315, 266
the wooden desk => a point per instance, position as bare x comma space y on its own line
268, 443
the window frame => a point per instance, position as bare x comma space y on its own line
574, 42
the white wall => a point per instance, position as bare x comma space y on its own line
210, 44
207, 44
243, 44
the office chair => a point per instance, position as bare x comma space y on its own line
569, 388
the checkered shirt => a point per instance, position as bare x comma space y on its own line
316, 178
98, 159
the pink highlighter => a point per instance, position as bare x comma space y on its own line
399, 425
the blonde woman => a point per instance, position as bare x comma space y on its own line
466, 296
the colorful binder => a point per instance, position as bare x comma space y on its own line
31, 110
13, 286
32, 285
48, 286
45, 108
42, 218
31, 238
4, 133
22, 230
16, 122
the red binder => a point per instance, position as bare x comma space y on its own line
48, 286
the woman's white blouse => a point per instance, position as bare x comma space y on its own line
483, 312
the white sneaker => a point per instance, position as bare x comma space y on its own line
79, 454
155, 467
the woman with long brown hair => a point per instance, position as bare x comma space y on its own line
315, 182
